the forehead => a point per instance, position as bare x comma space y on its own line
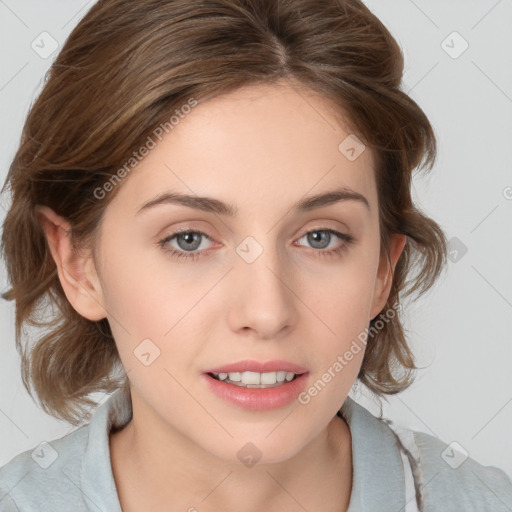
272, 143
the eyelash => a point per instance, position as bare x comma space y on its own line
347, 241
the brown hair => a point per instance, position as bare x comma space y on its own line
122, 72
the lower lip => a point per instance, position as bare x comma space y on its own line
258, 399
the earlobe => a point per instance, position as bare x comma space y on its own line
385, 273
76, 269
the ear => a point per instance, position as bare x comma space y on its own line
76, 269
385, 273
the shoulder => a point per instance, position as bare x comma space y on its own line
440, 475
29, 480
449, 479
73, 472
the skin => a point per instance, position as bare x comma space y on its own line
262, 149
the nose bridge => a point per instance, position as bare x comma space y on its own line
263, 297
260, 261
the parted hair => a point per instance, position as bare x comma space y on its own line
122, 72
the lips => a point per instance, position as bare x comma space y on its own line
259, 367
257, 399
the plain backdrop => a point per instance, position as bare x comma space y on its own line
458, 58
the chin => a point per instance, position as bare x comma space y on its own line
252, 450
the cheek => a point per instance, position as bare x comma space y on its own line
138, 296
344, 324
343, 296
155, 313
342, 306
338, 353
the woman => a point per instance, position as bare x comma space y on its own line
214, 196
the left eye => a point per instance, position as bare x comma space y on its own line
322, 237
189, 242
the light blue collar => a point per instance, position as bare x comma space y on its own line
378, 481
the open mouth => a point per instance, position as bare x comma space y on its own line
255, 379
239, 385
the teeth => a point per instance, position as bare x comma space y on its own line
268, 378
253, 379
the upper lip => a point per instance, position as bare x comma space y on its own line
259, 366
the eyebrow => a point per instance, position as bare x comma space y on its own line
211, 205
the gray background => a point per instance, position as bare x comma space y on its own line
461, 331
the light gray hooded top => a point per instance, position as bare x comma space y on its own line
395, 470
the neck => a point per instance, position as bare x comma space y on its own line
167, 471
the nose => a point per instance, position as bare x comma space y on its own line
263, 300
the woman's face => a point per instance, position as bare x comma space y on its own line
249, 285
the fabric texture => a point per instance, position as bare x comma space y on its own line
394, 469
